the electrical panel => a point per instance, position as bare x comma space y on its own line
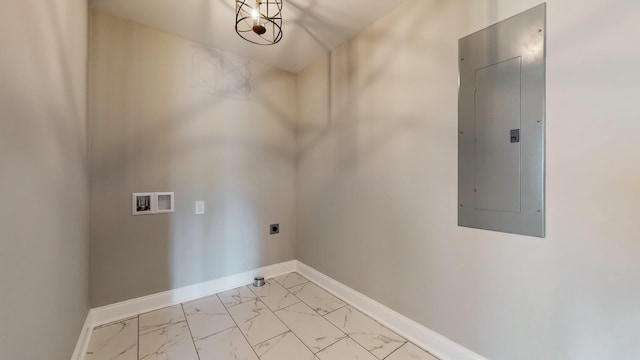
501, 120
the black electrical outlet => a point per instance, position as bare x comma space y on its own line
274, 229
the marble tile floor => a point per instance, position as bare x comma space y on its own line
290, 318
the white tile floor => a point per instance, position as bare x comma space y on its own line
289, 318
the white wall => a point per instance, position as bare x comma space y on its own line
167, 114
377, 183
43, 178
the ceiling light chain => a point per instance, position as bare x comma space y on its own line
259, 21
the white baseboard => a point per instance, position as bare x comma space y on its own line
122, 310
418, 334
423, 337
83, 339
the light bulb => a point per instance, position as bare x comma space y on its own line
258, 28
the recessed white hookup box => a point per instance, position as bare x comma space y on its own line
149, 203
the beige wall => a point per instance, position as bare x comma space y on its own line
169, 115
43, 178
377, 183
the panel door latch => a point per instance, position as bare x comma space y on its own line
515, 135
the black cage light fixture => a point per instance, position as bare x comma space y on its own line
259, 21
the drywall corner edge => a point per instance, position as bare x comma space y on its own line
83, 339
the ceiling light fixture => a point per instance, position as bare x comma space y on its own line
259, 21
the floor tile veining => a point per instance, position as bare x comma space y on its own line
207, 317
236, 296
256, 321
275, 296
374, 337
291, 280
319, 300
285, 346
115, 341
312, 329
290, 318
225, 345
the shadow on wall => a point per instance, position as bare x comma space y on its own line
76, 103
217, 75
358, 161
352, 71
168, 115
308, 21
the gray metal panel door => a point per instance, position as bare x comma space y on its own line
497, 159
501, 116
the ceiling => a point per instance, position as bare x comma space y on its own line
311, 27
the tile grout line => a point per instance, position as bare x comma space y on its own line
351, 305
241, 302
332, 311
193, 341
296, 335
333, 343
257, 298
238, 327
288, 306
395, 351
287, 290
321, 316
404, 341
302, 342
316, 311
372, 319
